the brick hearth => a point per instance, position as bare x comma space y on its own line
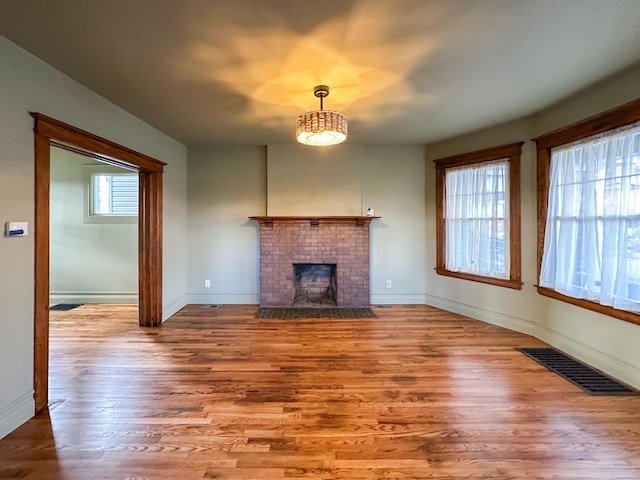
343, 241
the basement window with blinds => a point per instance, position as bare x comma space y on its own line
113, 198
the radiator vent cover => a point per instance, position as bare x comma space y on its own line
581, 375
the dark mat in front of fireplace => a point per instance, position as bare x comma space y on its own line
274, 312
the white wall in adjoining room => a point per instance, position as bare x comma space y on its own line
29, 85
89, 262
604, 342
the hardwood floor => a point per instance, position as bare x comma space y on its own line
416, 393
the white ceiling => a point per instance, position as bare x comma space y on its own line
404, 71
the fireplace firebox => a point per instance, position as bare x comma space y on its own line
314, 285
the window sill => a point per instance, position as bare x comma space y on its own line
499, 282
589, 305
112, 219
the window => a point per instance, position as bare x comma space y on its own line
115, 194
112, 198
589, 213
478, 209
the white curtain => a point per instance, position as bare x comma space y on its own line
476, 219
592, 237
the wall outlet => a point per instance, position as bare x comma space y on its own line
388, 283
207, 284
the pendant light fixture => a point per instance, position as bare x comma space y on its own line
320, 128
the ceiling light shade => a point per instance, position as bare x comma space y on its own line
320, 128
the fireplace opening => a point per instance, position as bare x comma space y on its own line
314, 285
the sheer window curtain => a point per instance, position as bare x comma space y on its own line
476, 219
592, 237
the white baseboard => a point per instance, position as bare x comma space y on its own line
224, 298
397, 299
93, 297
618, 369
254, 299
489, 316
172, 307
16, 413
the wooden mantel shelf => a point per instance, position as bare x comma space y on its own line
317, 220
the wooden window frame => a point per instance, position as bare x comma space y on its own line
600, 123
512, 153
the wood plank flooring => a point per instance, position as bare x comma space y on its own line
215, 393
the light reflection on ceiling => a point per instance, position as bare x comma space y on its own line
276, 68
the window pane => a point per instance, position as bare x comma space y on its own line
101, 194
476, 219
115, 195
124, 195
592, 237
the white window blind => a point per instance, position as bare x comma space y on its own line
477, 219
592, 235
115, 194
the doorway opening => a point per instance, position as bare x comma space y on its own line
93, 252
50, 132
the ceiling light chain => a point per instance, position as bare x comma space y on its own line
320, 128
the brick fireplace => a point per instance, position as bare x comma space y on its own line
339, 242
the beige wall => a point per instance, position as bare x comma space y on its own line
605, 342
229, 184
226, 186
315, 181
29, 85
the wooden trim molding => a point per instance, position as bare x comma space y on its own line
50, 132
500, 282
486, 155
150, 250
41, 273
85, 143
511, 152
359, 221
600, 123
596, 307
